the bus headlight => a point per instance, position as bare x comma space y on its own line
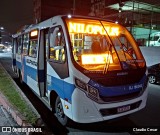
81, 84
89, 90
92, 91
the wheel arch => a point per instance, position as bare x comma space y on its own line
53, 96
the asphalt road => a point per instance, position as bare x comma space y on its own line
146, 118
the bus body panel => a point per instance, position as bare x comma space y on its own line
30, 73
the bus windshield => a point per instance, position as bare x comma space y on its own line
103, 46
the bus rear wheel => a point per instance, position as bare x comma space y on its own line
20, 77
59, 112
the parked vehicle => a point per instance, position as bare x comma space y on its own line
154, 73
2, 47
154, 39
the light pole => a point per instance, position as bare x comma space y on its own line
74, 6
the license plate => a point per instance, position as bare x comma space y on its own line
123, 109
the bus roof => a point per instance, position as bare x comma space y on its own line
51, 22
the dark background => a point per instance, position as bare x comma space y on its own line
15, 13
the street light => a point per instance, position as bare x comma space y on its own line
2, 28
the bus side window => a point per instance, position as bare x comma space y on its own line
33, 43
25, 44
19, 45
33, 48
57, 45
16, 45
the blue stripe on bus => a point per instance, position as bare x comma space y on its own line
118, 90
29, 71
32, 72
68, 90
62, 88
18, 64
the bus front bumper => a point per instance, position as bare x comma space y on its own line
85, 110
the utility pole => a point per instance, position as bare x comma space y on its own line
74, 6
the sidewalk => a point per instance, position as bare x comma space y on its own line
9, 114
6, 121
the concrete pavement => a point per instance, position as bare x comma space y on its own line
6, 122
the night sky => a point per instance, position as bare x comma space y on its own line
15, 13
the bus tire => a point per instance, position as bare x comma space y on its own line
20, 77
59, 112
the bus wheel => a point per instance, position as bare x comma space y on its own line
59, 112
20, 77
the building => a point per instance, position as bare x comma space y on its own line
44, 9
141, 17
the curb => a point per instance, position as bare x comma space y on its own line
12, 110
20, 120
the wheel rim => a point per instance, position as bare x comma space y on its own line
152, 79
59, 110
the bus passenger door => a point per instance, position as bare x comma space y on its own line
18, 55
31, 62
42, 62
57, 65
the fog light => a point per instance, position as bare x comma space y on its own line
66, 106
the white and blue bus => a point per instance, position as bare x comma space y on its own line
84, 69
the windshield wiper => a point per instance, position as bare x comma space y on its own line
106, 66
107, 62
125, 50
